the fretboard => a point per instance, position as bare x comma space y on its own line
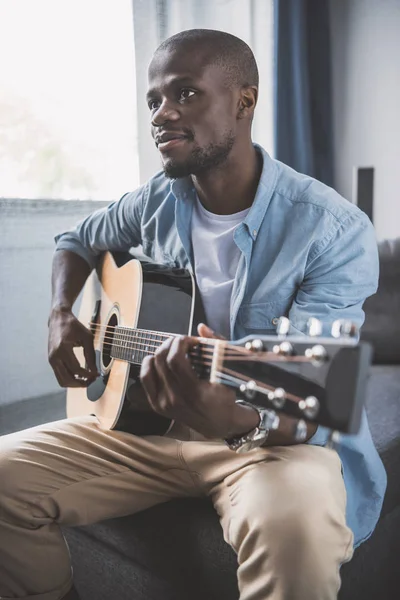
133, 345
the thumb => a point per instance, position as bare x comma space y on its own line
206, 332
88, 348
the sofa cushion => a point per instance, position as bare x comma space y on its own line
180, 543
383, 410
382, 323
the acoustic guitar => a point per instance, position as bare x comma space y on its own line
132, 306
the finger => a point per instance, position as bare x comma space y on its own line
89, 351
64, 377
149, 380
75, 368
178, 362
206, 332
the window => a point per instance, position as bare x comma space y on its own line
67, 99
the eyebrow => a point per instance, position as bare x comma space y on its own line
173, 81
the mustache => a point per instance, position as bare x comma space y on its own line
181, 131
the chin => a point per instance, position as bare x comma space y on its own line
175, 170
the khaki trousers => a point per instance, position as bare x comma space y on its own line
282, 509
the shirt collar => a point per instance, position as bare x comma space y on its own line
184, 191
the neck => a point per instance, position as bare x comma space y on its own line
232, 186
133, 345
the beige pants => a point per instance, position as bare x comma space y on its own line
282, 509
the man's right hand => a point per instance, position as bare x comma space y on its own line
65, 334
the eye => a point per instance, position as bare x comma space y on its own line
186, 93
153, 104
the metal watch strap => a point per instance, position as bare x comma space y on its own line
257, 436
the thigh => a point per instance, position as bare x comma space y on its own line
295, 492
74, 472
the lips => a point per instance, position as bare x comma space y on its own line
170, 139
167, 136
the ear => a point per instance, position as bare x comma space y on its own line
247, 102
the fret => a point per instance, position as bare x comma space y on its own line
114, 347
159, 339
147, 347
142, 344
127, 344
154, 341
134, 345
120, 342
134, 351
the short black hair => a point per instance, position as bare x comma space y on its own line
227, 51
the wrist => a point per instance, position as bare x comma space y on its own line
245, 419
61, 307
58, 311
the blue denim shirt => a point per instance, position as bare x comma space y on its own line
305, 251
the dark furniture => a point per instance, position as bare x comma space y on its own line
175, 551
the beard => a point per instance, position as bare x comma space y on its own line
200, 159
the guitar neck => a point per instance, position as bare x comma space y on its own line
133, 345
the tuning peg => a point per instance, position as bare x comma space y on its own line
271, 419
255, 345
300, 431
249, 389
317, 354
314, 327
309, 406
283, 349
344, 328
283, 326
277, 397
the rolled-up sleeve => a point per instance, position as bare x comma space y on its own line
116, 227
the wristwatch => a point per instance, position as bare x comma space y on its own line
257, 436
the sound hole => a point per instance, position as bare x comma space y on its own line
108, 340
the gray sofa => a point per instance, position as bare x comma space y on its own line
176, 551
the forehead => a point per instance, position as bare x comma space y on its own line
184, 66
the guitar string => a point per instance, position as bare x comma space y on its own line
232, 381
239, 354
132, 337
262, 386
105, 327
211, 342
120, 337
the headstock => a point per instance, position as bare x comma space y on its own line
311, 378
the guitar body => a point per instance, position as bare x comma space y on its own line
127, 293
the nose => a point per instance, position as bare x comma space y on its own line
164, 113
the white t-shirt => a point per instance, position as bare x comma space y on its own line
216, 258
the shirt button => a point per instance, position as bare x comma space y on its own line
275, 321
254, 232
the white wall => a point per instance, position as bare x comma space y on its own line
366, 83
27, 230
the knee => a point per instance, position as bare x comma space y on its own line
16, 480
301, 538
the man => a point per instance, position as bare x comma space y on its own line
265, 241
